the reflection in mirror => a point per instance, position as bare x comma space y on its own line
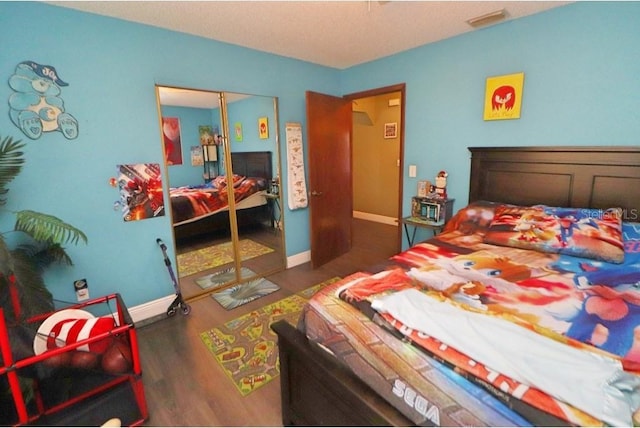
253, 143
217, 246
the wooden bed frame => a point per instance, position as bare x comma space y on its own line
594, 177
317, 390
248, 164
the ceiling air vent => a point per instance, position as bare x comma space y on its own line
487, 18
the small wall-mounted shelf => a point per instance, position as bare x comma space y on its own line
210, 157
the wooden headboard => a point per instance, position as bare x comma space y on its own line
580, 177
252, 164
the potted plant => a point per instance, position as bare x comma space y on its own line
23, 293
22, 289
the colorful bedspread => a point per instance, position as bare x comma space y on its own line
576, 300
423, 389
545, 331
192, 203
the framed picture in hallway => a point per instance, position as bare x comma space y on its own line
391, 130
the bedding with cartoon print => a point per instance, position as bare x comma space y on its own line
553, 336
191, 203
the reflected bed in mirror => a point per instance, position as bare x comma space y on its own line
203, 225
204, 208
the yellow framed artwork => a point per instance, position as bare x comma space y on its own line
503, 97
263, 127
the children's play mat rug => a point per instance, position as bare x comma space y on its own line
246, 348
217, 255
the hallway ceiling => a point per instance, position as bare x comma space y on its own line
337, 34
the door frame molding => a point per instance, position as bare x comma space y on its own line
399, 87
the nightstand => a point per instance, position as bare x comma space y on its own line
427, 213
273, 199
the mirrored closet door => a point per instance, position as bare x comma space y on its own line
225, 193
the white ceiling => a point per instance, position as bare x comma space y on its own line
336, 34
182, 97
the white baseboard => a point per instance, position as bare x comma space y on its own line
298, 259
151, 309
376, 217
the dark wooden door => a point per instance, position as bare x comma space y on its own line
330, 186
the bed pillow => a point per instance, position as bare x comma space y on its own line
475, 217
220, 181
581, 232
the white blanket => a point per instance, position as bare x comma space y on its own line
591, 382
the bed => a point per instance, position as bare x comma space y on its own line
556, 287
204, 208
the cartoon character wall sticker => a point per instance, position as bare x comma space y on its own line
36, 106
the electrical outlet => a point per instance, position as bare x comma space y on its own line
82, 289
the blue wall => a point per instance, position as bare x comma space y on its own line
246, 112
581, 88
112, 67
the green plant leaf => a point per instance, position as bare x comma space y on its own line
47, 228
11, 161
34, 297
6, 265
26, 263
44, 255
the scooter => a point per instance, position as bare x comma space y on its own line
178, 302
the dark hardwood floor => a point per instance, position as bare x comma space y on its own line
184, 386
260, 234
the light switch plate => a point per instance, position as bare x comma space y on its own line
413, 171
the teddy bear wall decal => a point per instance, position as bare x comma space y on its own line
36, 106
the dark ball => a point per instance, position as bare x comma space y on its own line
117, 358
60, 360
84, 360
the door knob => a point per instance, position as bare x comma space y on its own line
316, 193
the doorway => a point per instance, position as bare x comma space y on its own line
389, 103
331, 169
376, 157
